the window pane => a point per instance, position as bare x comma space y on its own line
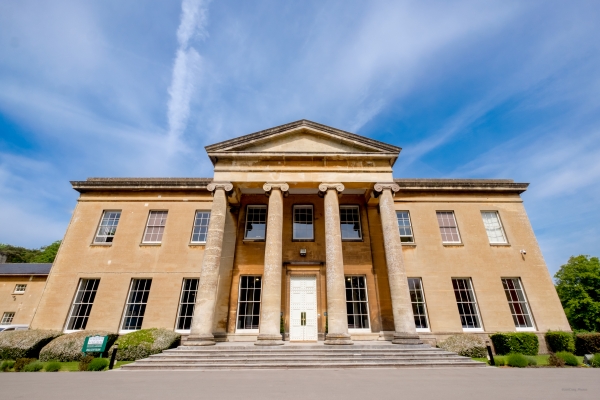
136, 304
200, 230
187, 303
448, 228
155, 226
517, 302
357, 305
350, 223
249, 302
404, 227
256, 222
82, 305
417, 298
303, 222
494, 230
108, 226
467, 305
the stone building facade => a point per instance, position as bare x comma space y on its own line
303, 231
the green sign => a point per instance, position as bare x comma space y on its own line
95, 344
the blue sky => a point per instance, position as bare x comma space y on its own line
495, 89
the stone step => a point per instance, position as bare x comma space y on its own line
295, 359
284, 365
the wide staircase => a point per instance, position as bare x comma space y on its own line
288, 356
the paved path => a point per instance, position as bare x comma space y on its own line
366, 384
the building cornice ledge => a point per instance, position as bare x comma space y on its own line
480, 185
141, 184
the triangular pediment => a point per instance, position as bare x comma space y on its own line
302, 137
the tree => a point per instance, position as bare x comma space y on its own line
16, 254
578, 287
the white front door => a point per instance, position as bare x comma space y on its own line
303, 308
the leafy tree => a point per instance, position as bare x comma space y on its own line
578, 287
16, 254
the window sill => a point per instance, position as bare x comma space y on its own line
17, 293
246, 331
363, 330
422, 330
472, 329
532, 329
409, 244
253, 240
183, 331
500, 244
197, 244
67, 331
101, 244
453, 244
124, 332
150, 244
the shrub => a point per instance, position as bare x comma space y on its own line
21, 363
516, 360
531, 361
24, 344
516, 342
98, 364
34, 366
68, 347
568, 358
7, 365
587, 343
499, 361
560, 341
595, 361
466, 345
144, 343
52, 366
84, 363
554, 361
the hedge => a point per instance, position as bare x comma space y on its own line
24, 344
145, 342
516, 342
466, 345
68, 347
560, 341
587, 343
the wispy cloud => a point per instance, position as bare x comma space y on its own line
186, 69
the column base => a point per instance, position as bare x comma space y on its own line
406, 338
269, 340
200, 340
338, 339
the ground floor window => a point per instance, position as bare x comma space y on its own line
187, 303
7, 318
467, 303
417, 298
248, 315
357, 304
135, 308
517, 302
82, 304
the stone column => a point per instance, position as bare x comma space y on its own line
204, 311
337, 317
404, 322
270, 308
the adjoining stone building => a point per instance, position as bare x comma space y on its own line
302, 229
21, 288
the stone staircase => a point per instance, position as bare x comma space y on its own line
248, 356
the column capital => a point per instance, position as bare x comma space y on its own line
325, 186
226, 186
381, 186
268, 186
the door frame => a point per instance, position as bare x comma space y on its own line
313, 270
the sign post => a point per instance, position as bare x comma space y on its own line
95, 344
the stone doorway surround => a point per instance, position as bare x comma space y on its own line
305, 268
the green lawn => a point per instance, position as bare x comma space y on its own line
542, 360
74, 365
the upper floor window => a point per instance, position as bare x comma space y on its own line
448, 227
350, 222
155, 226
493, 227
20, 288
108, 227
303, 223
256, 223
200, 226
7, 318
406, 233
